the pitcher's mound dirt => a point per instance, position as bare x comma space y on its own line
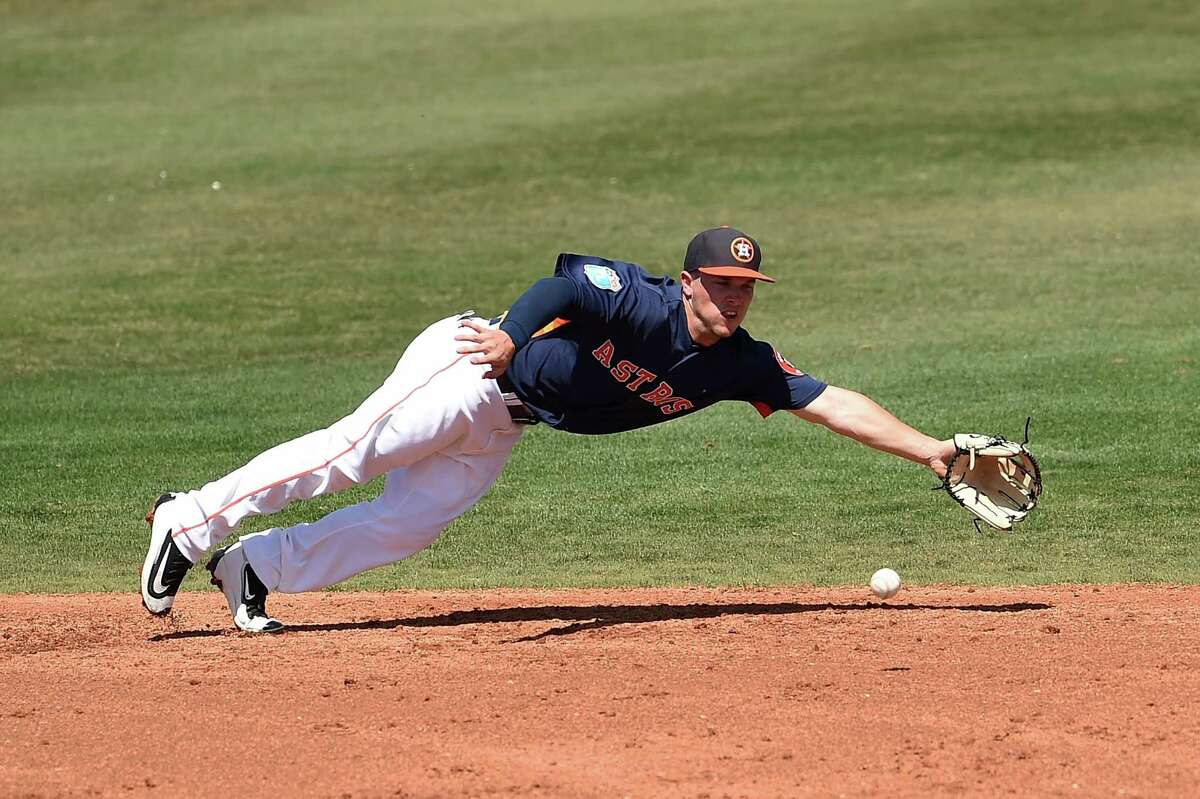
1044, 691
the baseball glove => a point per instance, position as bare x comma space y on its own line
994, 478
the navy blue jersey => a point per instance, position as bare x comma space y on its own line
625, 358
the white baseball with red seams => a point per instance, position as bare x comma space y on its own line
885, 583
440, 432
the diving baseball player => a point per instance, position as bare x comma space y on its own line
600, 347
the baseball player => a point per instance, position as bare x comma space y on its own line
600, 347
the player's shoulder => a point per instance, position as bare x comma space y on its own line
762, 354
606, 274
742, 341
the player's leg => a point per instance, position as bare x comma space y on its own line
417, 504
430, 401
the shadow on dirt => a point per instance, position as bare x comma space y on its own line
594, 617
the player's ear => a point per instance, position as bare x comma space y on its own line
685, 284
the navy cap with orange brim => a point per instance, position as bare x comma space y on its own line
725, 252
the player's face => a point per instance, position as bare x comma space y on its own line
718, 304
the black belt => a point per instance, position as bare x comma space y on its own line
518, 410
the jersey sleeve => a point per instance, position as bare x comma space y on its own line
606, 290
544, 301
775, 384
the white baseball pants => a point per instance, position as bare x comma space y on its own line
438, 430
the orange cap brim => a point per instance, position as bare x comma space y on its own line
735, 271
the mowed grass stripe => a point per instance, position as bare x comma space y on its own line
978, 211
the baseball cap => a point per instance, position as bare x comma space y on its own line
726, 252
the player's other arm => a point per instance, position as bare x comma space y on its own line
545, 300
861, 418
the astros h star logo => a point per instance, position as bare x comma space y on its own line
742, 249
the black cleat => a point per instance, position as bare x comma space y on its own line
165, 566
245, 593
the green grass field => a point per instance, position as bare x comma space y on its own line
978, 211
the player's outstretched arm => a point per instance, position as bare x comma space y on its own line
861, 418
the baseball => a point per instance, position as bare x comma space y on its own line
885, 583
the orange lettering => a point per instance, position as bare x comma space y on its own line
604, 353
642, 377
676, 405
662, 396
659, 395
623, 370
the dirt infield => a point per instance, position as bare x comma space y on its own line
1044, 691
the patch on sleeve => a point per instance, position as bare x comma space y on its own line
602, 277
786, 365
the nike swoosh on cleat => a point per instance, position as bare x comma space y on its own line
157, 589
246, 594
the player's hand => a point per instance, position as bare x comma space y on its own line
940, 459
486, 345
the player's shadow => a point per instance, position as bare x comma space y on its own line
594, 617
